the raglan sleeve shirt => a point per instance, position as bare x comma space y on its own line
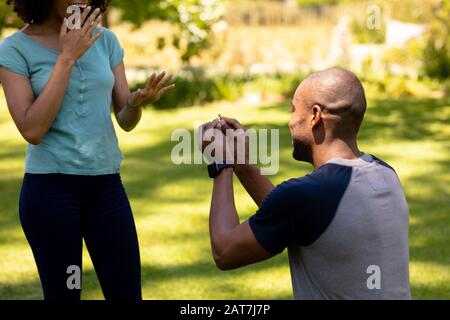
300, 210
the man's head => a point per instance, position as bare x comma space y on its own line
327, 105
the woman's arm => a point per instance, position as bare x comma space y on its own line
34, 117
128, 106
127, 117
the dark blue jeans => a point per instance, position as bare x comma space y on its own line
58, 211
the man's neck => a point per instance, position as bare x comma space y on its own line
335, 149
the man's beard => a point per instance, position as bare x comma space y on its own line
302, 151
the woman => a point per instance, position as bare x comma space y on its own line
59, 85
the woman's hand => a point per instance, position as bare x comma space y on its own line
155, 88
76, 42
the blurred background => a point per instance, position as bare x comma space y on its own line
244, 59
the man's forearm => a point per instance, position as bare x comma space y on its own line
223, 215
257, 185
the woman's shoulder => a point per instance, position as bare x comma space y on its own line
13, 44
108, 34
11, 41
13, 55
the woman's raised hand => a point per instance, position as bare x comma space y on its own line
156, 87
75, 42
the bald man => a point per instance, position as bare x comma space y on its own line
345, 225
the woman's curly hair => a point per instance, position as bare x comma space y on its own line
32, 11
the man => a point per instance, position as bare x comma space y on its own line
345, 225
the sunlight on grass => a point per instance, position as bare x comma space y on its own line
171, 203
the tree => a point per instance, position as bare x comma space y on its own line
436, 55
7, 16
196, 19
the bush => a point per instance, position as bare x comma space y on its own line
388, 86
362, 34
197, 87
436, 54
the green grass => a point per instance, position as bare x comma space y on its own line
171, 203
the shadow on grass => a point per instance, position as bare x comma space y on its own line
202, 271
148, 169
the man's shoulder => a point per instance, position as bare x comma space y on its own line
327, 178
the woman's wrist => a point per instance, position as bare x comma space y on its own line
130, 101
66, 61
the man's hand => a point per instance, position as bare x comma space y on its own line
257, 185
228, 135
201, 140
240, 140
155, 88
213, 143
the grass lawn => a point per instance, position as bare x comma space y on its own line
171, 203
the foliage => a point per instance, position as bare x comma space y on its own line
7, 16
436, 55
197, 87
416, 11
315, 3
362, 34
196, 19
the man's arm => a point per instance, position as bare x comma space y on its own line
257, 185
233, 244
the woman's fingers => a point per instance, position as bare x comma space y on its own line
164, 81
150, 81
158, 79
94, 25
156, 82
155, 88
63, 30
89, 21
95, 37
85, 14
165, 90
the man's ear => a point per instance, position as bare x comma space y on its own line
316, 116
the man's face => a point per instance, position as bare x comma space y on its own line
301, 131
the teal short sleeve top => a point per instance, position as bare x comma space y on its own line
82, 139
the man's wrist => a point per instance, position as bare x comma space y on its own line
242, 168
215, 169
228, 171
